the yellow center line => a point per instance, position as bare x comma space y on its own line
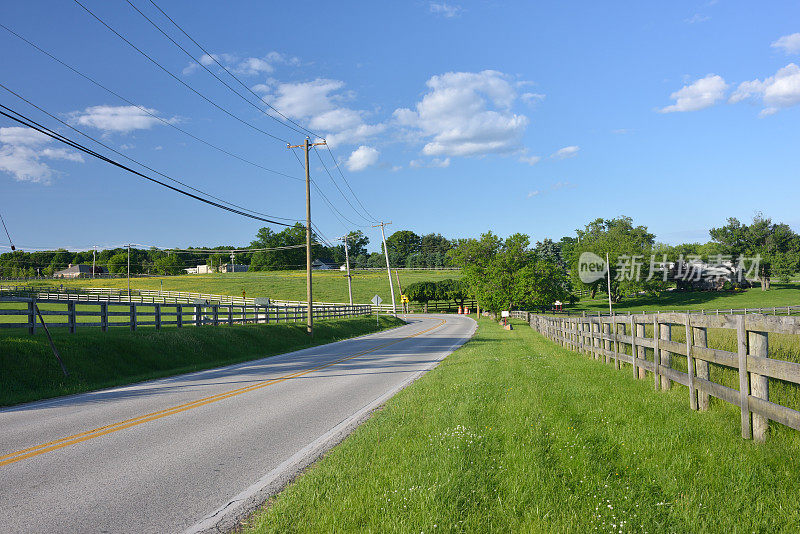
128, 423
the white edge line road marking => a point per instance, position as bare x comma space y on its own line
228, 516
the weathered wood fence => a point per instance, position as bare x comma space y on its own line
20, 312
622, 339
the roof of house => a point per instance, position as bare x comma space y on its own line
79, 269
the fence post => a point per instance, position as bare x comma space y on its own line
606, 327
701, 340
616, 346
198, 316
157, 308
641, 349
132, 315
690, 364
230, 314
655, 352
215, 311
633, 347
31, 317
758, 345
665, 332
179, 316
104, 316
744, 382
71, 319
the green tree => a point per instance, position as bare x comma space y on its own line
402, 244
422, 292
118, 263
168, 264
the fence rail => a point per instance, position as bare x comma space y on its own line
769, 310
20, 312
183, 297
622, 339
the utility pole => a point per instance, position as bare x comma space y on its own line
347, 263
129, 272
94, 259
400, 288
233, 269
608, 276
388, 269
310, 306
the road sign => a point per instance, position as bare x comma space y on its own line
376, 300
504, 314
404, 299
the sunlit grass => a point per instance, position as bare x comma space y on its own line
513, 433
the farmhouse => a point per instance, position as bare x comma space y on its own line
78, 271
232, 268
319, 265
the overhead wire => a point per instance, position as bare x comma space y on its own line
214, 58
176, 78
191, 57
22, 119
7, 234
337, 186
142, 108
347, 183
136, 161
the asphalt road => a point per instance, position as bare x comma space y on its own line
195, 452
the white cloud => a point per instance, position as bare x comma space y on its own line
361, 158
566, 152
445, 9
777, 92
789, 43
696, 18
248, 66
433, 163
22, 151
466, 114
532, 98
555, 187
118, 119
701, 94
530, 160
318, 104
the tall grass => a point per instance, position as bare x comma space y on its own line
513, 433
95, 360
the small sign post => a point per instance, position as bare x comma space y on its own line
376, 300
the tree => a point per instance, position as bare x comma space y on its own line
402, 244
118, 263
293, 258
776, 246
168, 264
628, 247
455, 290
422, 292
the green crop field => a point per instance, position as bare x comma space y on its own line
513, 433
779, 295
29, 370
329, 286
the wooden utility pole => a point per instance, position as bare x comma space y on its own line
94, 259
129, 272
347, 263
400, 288
388, 269
310, 306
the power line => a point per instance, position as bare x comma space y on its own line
156, 26
195, 91
7, 234
58, 137
136, 161
339, 168
337, 186
232, 75
144, 109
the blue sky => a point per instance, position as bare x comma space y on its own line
445, 117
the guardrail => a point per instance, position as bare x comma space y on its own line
20, 312
622, 339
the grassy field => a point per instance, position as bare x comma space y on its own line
95, 360
779, 295
329, 286
512, 433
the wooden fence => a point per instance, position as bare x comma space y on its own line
623, 339
178, 297
21, 312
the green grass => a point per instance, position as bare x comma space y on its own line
95, 360
329, 286
779, 295
513, 433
